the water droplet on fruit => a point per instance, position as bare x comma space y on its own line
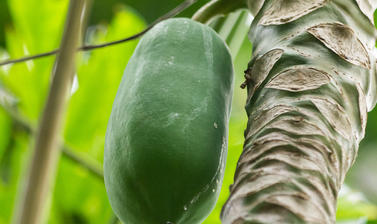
171, 60
213, 190
215, 125
185, 208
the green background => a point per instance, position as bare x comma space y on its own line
35, 26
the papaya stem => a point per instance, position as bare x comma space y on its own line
254, 6
46, 155
217, 8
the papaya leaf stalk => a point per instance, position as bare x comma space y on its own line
216, 8
310, 83
46, 152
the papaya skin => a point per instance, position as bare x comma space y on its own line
166, 140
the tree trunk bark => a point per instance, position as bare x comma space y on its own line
311, 81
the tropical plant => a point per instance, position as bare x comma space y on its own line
310, 82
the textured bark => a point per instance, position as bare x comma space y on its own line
311, 81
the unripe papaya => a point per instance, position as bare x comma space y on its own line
166, 140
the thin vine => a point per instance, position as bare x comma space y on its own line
184, 5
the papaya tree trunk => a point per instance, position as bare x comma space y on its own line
310, 83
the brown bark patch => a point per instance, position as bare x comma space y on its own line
285, 11
262, 68
335, 115
299, 79
343, 41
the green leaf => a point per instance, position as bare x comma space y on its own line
353, 205
17, 164
37, 27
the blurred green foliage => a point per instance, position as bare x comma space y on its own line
35, 26
4, 20
102, 12
79, 197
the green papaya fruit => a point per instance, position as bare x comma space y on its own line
166, 140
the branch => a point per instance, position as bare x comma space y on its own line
27, 58
168, 15
45, 156
92, 167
